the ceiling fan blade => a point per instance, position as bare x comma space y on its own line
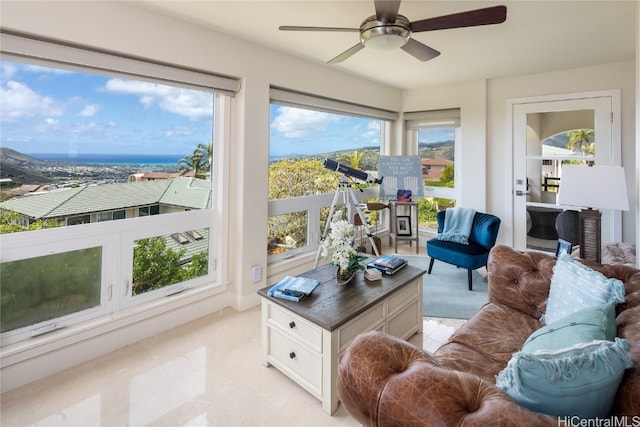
419, 50
347, 53
301, 28
387, 10
471, 18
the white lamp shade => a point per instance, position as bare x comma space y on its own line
601, 187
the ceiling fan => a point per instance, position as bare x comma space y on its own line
387, 29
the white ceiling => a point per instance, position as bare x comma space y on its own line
538, 36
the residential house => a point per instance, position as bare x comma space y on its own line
96, 203
158, 38
432, 168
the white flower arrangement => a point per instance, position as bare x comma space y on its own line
342, 239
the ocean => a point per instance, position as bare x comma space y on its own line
110, 159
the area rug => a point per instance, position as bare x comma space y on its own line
445, 291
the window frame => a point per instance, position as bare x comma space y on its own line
447, 118
313, 204
116, 237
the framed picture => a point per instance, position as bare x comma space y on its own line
564, 247
403, 225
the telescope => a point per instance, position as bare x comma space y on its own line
355, 173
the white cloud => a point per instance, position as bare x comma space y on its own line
18, 100
179, 131
299, 123
373, 131
89, 110
184, 102
7, 70
45, 70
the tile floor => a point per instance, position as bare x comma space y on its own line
207, 372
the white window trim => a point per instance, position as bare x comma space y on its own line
313, 204
89, 324
314, 102
436, 119
72, 57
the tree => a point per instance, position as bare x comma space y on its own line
352, 160
155, 265
304, 177
447, 177
10, 223
199, 161
579, 140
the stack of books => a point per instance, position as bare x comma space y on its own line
372, 274
388, 264
293, 288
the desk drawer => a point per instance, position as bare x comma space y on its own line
299, 363
406, 322
367, 321
296, 327
405, 295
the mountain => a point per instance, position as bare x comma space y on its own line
22, 168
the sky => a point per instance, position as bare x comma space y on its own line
47, 110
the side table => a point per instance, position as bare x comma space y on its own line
411, 232
305, 340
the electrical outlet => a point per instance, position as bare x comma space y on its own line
256, 273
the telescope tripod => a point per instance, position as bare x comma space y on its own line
349, 200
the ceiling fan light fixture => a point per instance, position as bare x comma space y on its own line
385, 36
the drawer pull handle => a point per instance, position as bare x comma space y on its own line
292, 355
292, 325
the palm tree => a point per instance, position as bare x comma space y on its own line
352, 160
579, 141
206, 152
199, 162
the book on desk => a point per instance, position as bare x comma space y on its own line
388, 264
293, 288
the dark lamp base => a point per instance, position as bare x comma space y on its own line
590, 236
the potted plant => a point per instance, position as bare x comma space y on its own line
341, 238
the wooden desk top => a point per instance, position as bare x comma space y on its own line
330, 306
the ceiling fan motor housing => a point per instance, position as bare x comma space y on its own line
385, 35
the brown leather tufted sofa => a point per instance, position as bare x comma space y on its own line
384, 381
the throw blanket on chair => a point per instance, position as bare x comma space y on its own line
457, 225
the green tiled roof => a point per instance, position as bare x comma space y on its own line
185, 192
188, 192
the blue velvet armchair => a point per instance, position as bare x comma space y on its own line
484, 232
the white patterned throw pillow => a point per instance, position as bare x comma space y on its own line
574, 286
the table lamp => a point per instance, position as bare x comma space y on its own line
592, 187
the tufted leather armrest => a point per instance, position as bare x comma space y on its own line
385, 381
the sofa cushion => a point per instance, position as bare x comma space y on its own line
575, 286
581, 380
593, 323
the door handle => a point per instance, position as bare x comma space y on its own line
522, 193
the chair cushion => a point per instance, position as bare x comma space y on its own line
575, 286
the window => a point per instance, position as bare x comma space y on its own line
117, 138
435, 136
149, 210
306, 130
